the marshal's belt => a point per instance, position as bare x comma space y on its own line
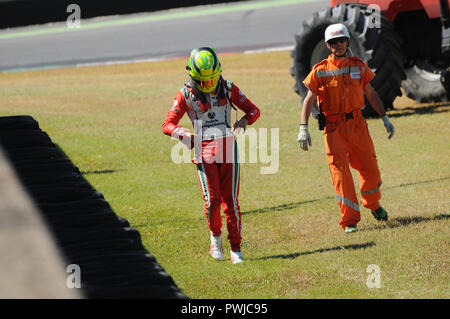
343, 116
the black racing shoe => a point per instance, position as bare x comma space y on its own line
380, 214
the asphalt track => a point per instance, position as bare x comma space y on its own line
234, 27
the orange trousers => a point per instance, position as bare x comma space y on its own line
348, 143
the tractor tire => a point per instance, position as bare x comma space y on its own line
379, 47
423, 83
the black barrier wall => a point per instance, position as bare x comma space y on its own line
109, 252
15, 13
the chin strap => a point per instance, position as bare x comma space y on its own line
346, 50
203, 102
343, 55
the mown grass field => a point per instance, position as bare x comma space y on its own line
107, 119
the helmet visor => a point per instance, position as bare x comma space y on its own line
207, 85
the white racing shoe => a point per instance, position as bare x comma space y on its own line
236, 257
216, 250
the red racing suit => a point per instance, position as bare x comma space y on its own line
218, 159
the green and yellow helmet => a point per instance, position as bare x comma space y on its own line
204, 69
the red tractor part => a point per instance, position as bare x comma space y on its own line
405, 42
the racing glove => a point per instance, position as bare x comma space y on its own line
184, 136
304, 138
388, 125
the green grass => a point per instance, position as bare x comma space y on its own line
108, 119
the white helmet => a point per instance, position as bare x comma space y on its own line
337, 30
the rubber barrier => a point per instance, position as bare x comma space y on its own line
38, 152
12, 139
112, 259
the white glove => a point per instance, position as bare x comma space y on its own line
187, 140
183, 135
304, 138
388, 125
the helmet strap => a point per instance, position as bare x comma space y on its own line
346, 50
342, 55
197, 93
219, 88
